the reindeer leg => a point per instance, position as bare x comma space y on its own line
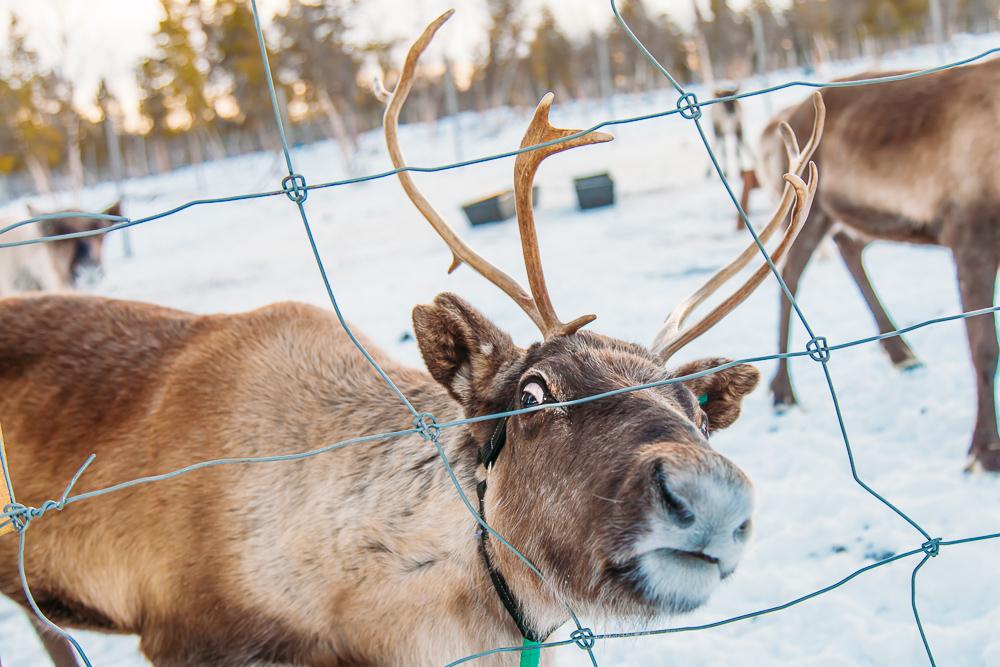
749, 178
976, 259
851, 250
813, 230
60, 651
745, 193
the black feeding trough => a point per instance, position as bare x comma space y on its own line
594, 191
495, 208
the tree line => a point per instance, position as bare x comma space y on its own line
202, 90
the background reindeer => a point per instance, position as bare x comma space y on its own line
908, 161
372, 535
727, 128
55, 266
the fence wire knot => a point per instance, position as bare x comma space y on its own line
427, 426
932, 547
584, 638
294, 186
818, 349
689, 106
20, 516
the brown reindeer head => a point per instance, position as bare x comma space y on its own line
621, 499
728, 89
623, 496
79, 260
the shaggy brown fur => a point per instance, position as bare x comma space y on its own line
913, 161
363, 556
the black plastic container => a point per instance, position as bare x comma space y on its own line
495, 208
594, 191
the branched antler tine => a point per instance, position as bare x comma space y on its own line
668, 343
790, 142
461, 251
819, 123
394, 104
799, 158
541, 131
796, 162
670, 338
680, 313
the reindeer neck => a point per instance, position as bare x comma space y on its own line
394, 508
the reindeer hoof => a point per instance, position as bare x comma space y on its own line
783, 404
782, 395
986, 460
908, 364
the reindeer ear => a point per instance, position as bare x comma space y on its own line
113, 209
721, 393
53, 226
463, 350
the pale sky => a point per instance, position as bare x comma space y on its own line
92, 39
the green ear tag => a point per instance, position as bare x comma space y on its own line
530, 658
703, 399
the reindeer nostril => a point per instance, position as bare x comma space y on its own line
743, 530
677, 505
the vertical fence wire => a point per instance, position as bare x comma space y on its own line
293, 186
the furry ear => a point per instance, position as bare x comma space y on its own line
113, 209
54, 226
720, 394
463, 350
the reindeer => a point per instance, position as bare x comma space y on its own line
909, 161
366, 556
55, 266
727, 129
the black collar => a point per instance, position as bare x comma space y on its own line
488, 454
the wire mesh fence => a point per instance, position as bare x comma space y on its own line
294, 186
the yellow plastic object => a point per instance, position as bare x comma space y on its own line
6, 490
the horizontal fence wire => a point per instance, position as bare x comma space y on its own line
425, 425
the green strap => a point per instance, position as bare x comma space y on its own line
530, 658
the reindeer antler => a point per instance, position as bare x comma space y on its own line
538, 306
797, 197
541, 131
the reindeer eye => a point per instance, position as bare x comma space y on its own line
704, 425
532, 394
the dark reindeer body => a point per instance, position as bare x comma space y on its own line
913, 161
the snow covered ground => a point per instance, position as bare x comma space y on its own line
630, 264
